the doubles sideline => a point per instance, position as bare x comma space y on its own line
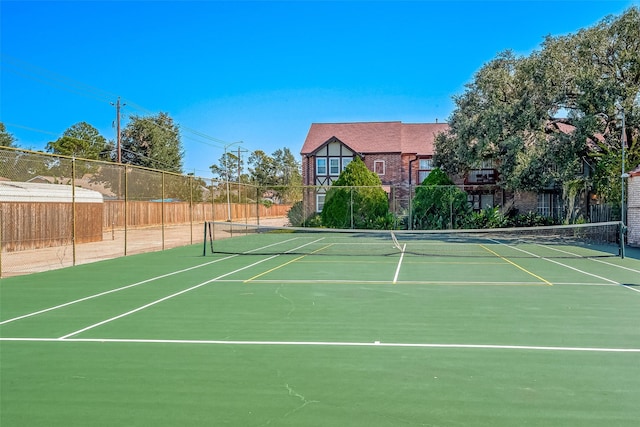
90, 297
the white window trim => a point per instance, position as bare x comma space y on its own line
318, 159
338, 165
320, 205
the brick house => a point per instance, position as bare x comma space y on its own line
400, 153
633, 208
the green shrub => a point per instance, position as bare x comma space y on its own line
438, 204
530, 219
356, 199
488, 218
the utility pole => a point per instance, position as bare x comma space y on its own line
240, 151
119, 150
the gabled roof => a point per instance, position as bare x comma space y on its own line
376, 137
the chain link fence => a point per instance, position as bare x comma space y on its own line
57, 211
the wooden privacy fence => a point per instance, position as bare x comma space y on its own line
34, 225
29, 225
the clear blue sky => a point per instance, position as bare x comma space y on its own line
259, 72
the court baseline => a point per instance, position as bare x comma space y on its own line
332, 344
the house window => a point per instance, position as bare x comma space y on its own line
424, 169
544, 204
378, 167
334, 166
345, 162
426, 164
487, 164
319, 202
321, 166
486, 201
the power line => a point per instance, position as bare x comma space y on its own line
49, 78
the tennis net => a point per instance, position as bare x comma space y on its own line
566, 241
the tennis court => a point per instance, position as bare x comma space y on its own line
279, 328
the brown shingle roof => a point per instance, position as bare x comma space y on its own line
376, 137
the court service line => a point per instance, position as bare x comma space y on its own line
173, 273
135, 310
173, 295
336, 344
566, 266
408, 282
518, 266
395, 277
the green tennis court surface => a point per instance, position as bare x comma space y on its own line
283, 329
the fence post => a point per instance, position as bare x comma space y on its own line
126, 202
191, 207
162, 209
410, 225
73, 209
351, 204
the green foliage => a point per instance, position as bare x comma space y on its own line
437, 177
387, 222
153, 142
6, 139
299, 218
314, 220
356, 199
609, 169
438, 204
538, 116
494, 218
296, 214
81, 141
228, 167
279, 173
488, 218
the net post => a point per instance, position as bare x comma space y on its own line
622, 229
204, 240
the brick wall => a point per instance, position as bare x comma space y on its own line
633, 210
525, 201
393, 167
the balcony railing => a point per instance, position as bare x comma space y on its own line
481, 176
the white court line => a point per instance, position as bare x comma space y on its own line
603, 262
334, 344
66, 304
559, 263
112, 291
591, 259
410, 282
395, 278
135, 310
